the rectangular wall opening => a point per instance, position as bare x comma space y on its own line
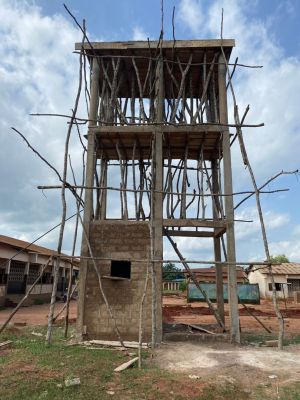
120, 269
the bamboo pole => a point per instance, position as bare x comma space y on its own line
64, 206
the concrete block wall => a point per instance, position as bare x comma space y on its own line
121, 240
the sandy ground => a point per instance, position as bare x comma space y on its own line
202, 357
36, 315
248, 367
177, 310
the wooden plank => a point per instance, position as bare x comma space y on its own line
190, 233
166, 44
199, 328
204, 223
6, 344
126, 365
140, 129
219, 232
114, 343
115, 278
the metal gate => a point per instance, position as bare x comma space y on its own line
293, 286
15, 282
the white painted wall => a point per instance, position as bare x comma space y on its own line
263, 281
41, 289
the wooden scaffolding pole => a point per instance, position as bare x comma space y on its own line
88, 201
229, 210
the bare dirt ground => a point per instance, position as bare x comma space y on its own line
253, 369
206, 358
177, 310
258, 372
35, 315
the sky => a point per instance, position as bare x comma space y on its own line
39, 73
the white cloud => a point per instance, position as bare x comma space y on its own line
138, 33
272, 221
272, 92
190, 13
38, 73
291, 248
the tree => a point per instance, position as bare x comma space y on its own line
170, 272
280, 258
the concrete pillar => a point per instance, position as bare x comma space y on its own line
157, 204
229, 210
217, 242
88, 198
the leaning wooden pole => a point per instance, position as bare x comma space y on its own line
15, 310
194, 279
65, 305
109, 309
64, 203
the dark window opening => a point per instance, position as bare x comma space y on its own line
278, 286
120, 269
46, 278
3, 277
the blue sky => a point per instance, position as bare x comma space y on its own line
38, 73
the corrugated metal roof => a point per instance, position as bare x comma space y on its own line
211, 272
22, 244
290, 268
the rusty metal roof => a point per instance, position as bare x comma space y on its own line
290, 268
22, 244
211, 272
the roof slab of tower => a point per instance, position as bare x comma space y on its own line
142, 50
203, 51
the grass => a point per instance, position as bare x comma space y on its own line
261, 338
30, 370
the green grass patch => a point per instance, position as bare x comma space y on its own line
31, 370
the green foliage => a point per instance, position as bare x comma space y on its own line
183, 286
280, 258
38, 302
170, 272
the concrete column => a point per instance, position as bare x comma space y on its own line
229, 210
217, 242
88, 197
157, 208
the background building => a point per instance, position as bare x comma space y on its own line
286, 276
20, 265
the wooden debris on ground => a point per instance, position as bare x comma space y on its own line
271, 343
198, 328
37, 334
126, 365
114, 343
6, 344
